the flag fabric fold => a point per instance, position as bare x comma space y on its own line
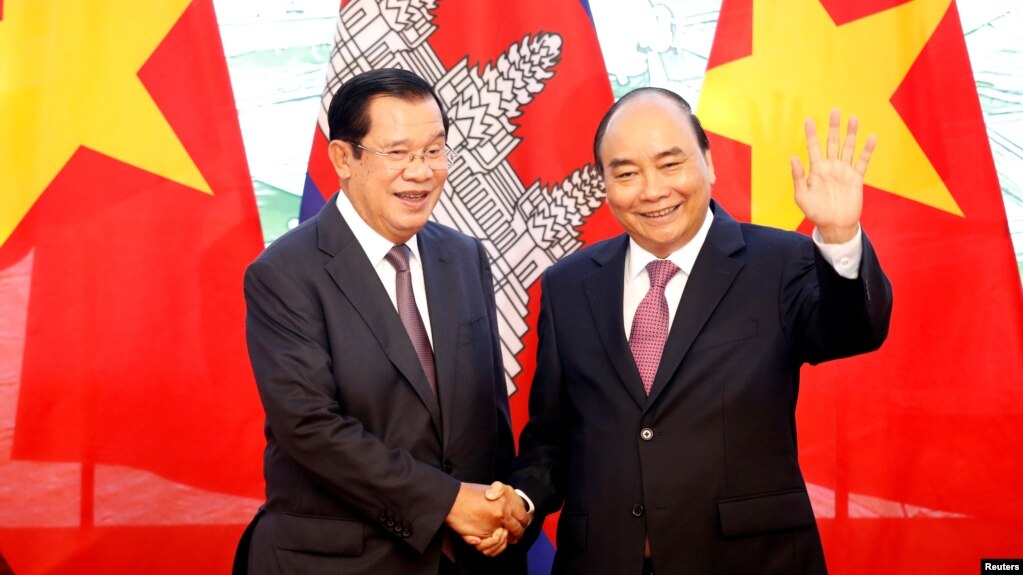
130, 433
907, 450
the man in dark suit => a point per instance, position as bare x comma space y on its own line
373, 338
662, 413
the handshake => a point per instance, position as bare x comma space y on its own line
488, 518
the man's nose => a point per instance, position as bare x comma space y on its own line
418, 169
655, 187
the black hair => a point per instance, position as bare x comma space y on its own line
347, 116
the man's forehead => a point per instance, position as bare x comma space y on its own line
388, 114
649, 107
384, 104
655, 127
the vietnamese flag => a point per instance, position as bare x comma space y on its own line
912, 452
130, 433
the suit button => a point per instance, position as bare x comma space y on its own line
637, 510
646, 434
448, 466
390, 523
406, 533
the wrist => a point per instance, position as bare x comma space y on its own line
526, 501
838, 234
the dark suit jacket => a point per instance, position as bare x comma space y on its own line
706, 466
363, 462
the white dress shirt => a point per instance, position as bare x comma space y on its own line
376, 248
845, 258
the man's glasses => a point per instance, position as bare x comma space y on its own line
436, 157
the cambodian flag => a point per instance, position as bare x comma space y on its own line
524, 85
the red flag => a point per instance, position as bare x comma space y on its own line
911, 452
129, 428
525, 87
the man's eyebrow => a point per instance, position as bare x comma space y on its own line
670, 152
407, 142
673, 151
617, 163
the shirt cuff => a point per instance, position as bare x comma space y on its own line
845, 258
529, 502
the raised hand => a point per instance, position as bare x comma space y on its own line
831, 195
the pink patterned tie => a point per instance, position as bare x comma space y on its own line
408, 311
650, 326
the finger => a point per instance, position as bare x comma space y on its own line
497, 550
494, 544
798, 175
519, 513
868, 151
502, 544
834, 133
813, 144
472, 540
516, 507
482, 544
516, 530
849, 151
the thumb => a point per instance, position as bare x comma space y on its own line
495, 491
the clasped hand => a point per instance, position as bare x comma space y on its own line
488, 518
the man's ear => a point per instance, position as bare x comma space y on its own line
710, 167
340, 155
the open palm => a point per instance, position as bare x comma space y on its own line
831, 195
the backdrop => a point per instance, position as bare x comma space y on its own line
148, 152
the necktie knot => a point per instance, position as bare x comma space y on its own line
398, 257
660, 271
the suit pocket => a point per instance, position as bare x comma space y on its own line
473, 330
721, 335
764, 513
320, 535
572, 531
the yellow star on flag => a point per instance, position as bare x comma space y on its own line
69, 78
803, 65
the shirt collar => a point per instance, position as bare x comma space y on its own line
375, 245
685, 257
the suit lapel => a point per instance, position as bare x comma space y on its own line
355, 276
442, 299
605, 292
712, 275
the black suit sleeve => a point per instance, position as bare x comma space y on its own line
505, 437
537, 468
828, 316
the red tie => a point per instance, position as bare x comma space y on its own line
650, 325
408, 311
